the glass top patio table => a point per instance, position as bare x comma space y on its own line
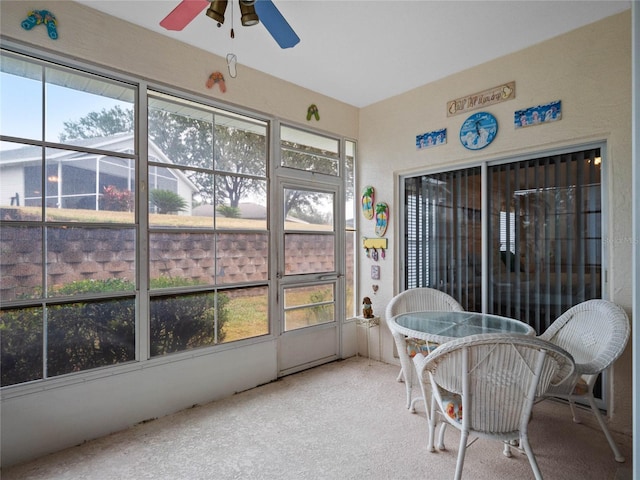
441, 327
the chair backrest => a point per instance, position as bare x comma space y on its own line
498, 377
595, 332
421, 300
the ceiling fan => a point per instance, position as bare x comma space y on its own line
252, 11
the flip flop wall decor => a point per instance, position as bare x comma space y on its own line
37, 17
368, 195
382, 218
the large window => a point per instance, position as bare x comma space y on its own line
208, 237
544, 241
116, 221
68, 239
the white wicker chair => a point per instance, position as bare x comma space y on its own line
491, 381
415, 300
595, 332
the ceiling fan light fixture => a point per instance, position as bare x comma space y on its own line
216, 11
249, 16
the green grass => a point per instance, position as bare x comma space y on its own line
248, 317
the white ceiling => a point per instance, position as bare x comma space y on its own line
361, 52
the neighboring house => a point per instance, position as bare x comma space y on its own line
77, 179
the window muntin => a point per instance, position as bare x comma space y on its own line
308, 305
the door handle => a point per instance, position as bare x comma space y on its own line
330, 277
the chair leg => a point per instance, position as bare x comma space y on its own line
443, 427
524, 443
408, 381
574, 415
400, 376
463, 449
432, 425
412, 404
616, 452
507, 450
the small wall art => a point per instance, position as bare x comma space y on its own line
382, 218
529, 117
45, 17
431, 139
375, 272
368, 196
498, 94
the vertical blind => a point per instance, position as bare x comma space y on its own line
544, 235
443, 234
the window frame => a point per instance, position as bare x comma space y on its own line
141, 223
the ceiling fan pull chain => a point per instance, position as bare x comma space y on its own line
233, 34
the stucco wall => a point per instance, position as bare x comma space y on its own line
589, 69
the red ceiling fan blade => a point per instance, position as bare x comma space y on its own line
183, 14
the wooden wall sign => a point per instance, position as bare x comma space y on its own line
501, 93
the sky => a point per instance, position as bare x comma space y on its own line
21, 101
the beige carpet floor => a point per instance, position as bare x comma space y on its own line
345, 420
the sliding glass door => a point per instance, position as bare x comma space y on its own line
543, 248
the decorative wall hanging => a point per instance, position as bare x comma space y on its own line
501, 93
478, 131
375, 272
232, 62
36, 17
368, 196
551, 112
216, 78
375, 243
312, 111
431, 139
382, 218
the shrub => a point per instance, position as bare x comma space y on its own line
166, 201
99, 332
116, 200
228, 211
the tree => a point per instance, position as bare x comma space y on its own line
100, 124
190, 142
201, 143
239, 152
